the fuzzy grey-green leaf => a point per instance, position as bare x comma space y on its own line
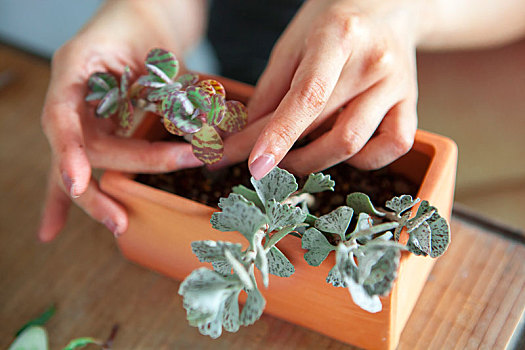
318, 183
334, 277
213, 252
278, 263
336, 221
280, 215
361, 203
278, 184
401, 203
253, 308
250, 195
317, 245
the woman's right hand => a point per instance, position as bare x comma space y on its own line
119, 35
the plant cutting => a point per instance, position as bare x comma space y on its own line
196, 110
162, 227
366, 240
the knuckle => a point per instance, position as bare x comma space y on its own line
348, 23
401, 144
351, 143
314, 92
379, 60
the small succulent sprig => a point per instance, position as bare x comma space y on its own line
197, 110
365, 239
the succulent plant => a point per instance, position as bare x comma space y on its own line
188, 107
366, 241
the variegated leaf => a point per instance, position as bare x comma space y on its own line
108, 105
180, 111
278, 263
163, 64
101, 82
318, 183
334, 277
336, 221
217, 109
213, 252
199, 98
235, 117
253, 308
361, 203
163, 92
280, 215
124, 82
94, 96
188, 79
317, 245
239, 215
212, 87
207, 145
152, 81
278, 184
126, 114
170, 126
402, 203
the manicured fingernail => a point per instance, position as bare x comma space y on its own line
112, 226
69, 184
262, 165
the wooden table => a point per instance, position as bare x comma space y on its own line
474, 298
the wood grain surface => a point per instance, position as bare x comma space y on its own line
474, 297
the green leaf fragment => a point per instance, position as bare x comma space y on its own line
278, 263
95, 96
31, 338
152, 81
188, 79
216, 110
81, 342
249, 194
101, 82
163, 92
230, 318
440, 230
239, 269
239, 215
213, 252
421, 237
109, 104
334, 277
163, 64
402, 203
278, 184
207, 145
336, 221
280, 215
199, 98
361, 203
318, 183
126, 114
383, 274
40, 320
317, 245
253, 308
235, 117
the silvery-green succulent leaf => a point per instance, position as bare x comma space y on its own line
278, 263
231, 200
418, 220
336, 221
278, 184
250, 195
230, 319
261, 261
188, 79
361, 203
253, 308
199, 98
213, 327
318, 183
125, 114
440, 235
402, 223
108, 105
239, 269
32, 338
238, 215
413, 248
213, 252
334, 277
204, 293
280, 215
361, 298
311, 219
95, 96
317, 245
367, 258
402, 203
101, 82
344, 261
163, 92
421, 237
124, 82
387, 236
364, 223
217, 109
207, 145
383, 227
162, 64
151, 81
384, 273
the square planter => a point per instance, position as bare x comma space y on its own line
163, 225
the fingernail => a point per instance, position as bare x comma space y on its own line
262, 165
112, 226
69, 184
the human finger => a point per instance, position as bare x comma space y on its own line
56, 206
352, 130
394, 138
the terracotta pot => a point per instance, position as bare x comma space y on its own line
163, 225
